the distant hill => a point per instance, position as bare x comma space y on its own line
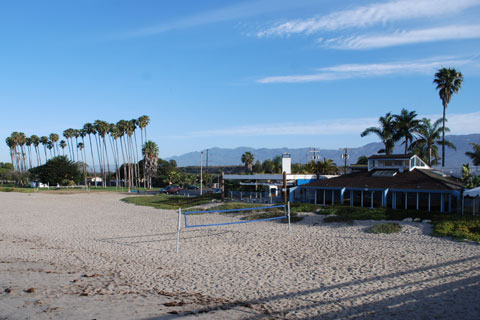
223, 156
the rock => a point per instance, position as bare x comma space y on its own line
8, 290
407, 220
417, 219
427, 221
30, 290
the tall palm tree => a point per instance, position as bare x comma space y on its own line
427, 140
63, 145
386, 133
44, 141
90, 129
475, 154
68, 134
406, 125
35, 142
28, 143
122, 127
143, 122
54, 138
448, 81
150, 159
248, 159
81, 146
21, 140
11, 145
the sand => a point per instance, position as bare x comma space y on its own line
92, 256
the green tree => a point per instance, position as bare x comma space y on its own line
257, 167
326, 167
247, 159
268, 166
448, 81
406, 125
57, 170
386, 133
150, 160
428, 137
277, 163
362, 160
475, 154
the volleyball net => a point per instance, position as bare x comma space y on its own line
231, 217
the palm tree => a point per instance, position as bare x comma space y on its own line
428, 138
386, 132
63, 144
90, 129
68, 134
11, 145
44, 141
475, 155
122, 127
150, 160
36, 141
248, 159
142, 122
28, 143
21, 140
406, 125
81, 146
54, 138
326, 166
448, 81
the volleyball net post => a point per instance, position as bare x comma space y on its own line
179, 225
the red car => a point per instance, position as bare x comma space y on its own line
171, 189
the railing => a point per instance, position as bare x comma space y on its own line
253, 197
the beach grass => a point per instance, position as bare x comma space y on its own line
169, 202
444, 224
389, 227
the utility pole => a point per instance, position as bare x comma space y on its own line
201, 173
345, 157
314, 151
206, 171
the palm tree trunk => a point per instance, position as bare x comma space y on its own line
443, 136
124, 163
93, 158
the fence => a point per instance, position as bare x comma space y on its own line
254, 197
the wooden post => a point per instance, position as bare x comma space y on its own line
223, 187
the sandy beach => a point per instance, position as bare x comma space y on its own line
92, 256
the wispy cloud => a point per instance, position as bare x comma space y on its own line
349, 71
371, 15
340, 126
242, 10
454, 32
458, 123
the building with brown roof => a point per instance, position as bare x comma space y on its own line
394, 181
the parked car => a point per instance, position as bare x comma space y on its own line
171, 189
191, 187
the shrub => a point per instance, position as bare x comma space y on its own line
458, 229
390, 227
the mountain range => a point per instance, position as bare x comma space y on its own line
225, 156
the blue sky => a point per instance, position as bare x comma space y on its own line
265, 73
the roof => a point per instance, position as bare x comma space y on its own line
391, 156
416, 179
472, 192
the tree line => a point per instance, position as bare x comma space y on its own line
108, 142
420, 136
